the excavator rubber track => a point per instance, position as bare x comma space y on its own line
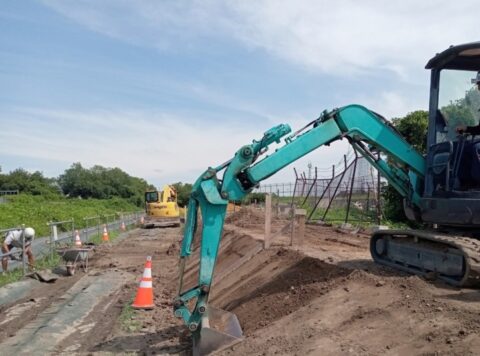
152, 222
452, 259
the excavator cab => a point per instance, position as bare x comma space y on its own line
452, 184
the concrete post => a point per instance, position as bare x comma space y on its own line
298, 227
268, 221
24, 255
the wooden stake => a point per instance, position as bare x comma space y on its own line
268, 221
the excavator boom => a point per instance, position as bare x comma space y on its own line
368, 133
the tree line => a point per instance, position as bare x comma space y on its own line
77, 181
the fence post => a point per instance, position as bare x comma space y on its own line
297, 236
379, 210
86, 229
51, 239
277, 204
73, 231
351, 187
98, 227
268, 221
24, 265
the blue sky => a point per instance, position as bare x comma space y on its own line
163, 89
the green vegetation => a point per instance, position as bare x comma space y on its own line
413, 127
97, 182
36, 211
338, 214
102, 183
11, 276
127, 319
48, 262
463, 111
29, 183
183, 192
255, 197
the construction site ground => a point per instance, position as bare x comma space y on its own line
326, 297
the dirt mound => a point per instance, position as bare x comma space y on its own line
235, 250
246, 217
300, 280
329, 298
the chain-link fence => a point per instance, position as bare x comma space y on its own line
351, 192
352, 195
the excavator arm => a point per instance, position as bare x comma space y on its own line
369, 134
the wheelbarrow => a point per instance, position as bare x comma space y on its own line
74, 257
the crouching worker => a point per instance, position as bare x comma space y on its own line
14, 239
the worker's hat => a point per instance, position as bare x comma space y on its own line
29, 233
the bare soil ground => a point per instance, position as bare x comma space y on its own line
324, 298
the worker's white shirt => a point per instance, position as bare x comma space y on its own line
15, 238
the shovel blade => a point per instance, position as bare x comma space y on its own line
219, 329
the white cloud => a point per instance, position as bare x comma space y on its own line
162, 147
392, 104
343, 37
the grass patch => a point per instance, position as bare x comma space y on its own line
11, 276
128, 320
48, 262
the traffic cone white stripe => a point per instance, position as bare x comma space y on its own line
146, 284
78, 241
147, 273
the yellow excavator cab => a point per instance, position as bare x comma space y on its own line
161, 208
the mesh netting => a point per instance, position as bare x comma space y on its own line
349, 195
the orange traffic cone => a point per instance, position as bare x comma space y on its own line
78, 241
122, 227
144, 298
105, 234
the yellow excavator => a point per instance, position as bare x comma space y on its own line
161, 208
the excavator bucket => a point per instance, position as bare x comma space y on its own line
219, 329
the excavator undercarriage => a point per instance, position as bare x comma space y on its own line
453, 259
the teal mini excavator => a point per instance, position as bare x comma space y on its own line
441, 190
